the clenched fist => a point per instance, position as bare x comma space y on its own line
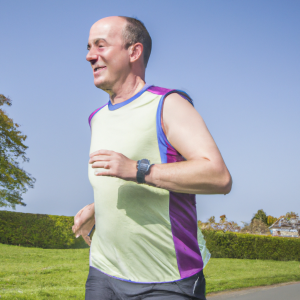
84, 222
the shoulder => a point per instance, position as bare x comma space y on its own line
94, 112
177, 104
178, 111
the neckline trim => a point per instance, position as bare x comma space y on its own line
119, 105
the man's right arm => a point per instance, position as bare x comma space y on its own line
84, 222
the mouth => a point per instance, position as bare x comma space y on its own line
98, 69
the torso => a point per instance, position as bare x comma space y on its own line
143, 233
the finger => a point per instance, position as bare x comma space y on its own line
74, 227
78, 215
99, 158
87, 240
104, 165
103, 173
76, 231
101, 152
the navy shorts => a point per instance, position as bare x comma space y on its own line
100, 286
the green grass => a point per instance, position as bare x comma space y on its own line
229, 273
33, 273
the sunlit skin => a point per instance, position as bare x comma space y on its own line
203, 172
118, 71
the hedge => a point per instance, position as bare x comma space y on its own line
37, 230
238, 245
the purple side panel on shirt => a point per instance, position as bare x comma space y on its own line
158, 90
162, 91
183, 219
182, 207
93, 113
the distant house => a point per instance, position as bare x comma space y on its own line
286, 227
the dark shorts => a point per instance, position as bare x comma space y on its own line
100, 286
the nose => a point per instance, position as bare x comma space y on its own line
91, 57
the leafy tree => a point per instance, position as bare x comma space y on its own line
223, 224
212, 219
291, 215
271, 220
260, 215
14, 181
257, 226
223, 218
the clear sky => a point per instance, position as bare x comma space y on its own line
238, 60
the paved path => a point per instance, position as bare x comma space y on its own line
286, 291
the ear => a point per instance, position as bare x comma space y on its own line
135, 52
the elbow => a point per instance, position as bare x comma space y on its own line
224, 181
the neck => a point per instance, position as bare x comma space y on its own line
123, 91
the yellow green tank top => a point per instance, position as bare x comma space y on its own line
142, 233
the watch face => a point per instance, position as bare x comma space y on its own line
143, 168
145, 161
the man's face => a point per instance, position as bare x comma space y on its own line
107, 54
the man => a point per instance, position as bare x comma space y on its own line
145, 242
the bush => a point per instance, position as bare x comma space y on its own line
36, 230
238, 245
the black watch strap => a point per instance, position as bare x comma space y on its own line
143, 167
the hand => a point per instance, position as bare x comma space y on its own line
110, 163
84, 222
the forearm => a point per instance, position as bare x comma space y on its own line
193, 176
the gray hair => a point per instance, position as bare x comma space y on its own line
136, 32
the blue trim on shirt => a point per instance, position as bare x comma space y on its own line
163, 142
119, 105
160, 133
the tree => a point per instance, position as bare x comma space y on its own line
257, 226
212, 219
14, 181
291, 215
260, 215
223, 224
271, 220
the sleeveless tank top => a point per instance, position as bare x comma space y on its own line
142, 233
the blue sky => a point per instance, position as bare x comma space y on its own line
238, 60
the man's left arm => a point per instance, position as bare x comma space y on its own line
203, 171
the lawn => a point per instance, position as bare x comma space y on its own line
33, 273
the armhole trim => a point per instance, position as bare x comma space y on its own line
93, 113
165, 147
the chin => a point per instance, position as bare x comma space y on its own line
100, 84
103, 85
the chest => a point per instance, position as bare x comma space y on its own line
130, 130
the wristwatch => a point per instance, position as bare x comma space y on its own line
143, 167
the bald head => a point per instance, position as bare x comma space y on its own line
109, 28
130, 30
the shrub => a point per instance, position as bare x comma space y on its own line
37, 230
238, 245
